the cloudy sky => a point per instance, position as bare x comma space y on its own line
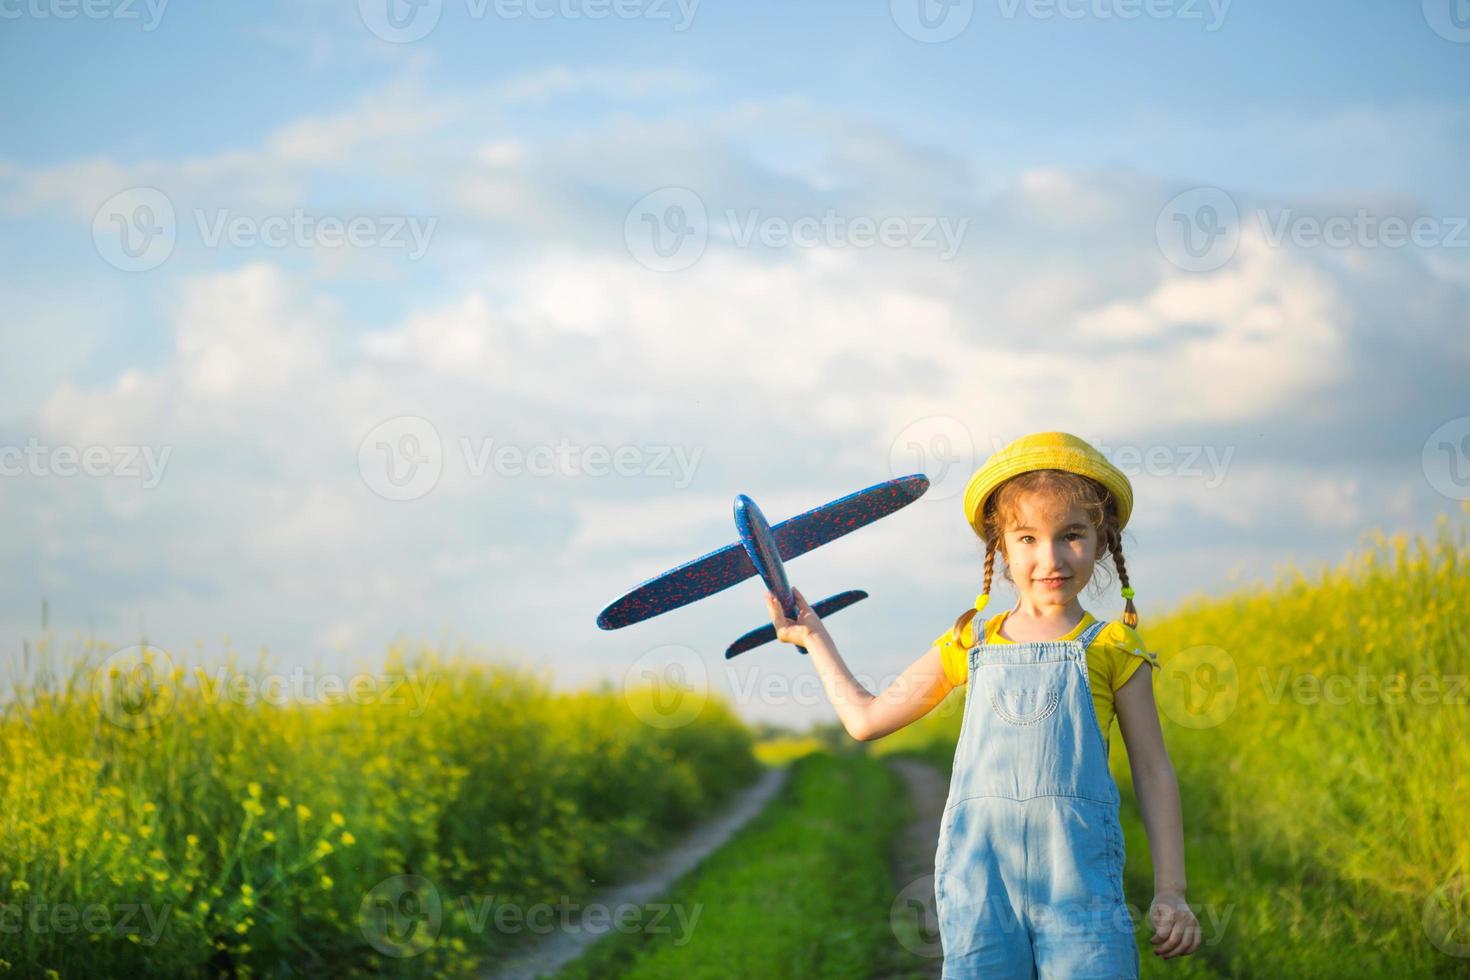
334, 323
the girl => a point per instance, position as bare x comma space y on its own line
1029, 870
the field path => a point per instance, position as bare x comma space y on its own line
913, 861
655, 880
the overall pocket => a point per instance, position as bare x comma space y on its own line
1024, 705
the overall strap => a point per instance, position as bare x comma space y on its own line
1090, 634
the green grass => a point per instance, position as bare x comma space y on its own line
803, 890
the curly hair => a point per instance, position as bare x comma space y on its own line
1064, 489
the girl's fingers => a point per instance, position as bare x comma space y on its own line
1177, 935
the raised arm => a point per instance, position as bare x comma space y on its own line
865, 716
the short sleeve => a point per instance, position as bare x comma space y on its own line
955, 656
1126, 652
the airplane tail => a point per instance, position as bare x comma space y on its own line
767, 633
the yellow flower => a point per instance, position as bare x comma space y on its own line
192, 840
145, 831
323, 848
327, 882
149, 807
338, 819
303, 811
283, 803
270, 836
241, 928
20, 885
347, 839
254, 790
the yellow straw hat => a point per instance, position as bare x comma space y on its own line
1045, 451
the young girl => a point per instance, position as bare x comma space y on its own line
1029, 870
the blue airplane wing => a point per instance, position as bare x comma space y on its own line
816, 527
691, 581
727, 566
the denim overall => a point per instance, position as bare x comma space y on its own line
1028, 877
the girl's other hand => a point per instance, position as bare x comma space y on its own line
808, 624
1176, 930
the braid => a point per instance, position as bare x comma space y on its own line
1130, 615
969, 614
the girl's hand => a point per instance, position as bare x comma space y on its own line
808, 624
1176, 930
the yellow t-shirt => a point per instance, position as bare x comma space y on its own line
1112, 657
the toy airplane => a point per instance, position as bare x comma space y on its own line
761, 550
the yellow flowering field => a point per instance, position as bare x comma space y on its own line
163, 821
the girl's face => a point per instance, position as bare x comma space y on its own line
1051, 551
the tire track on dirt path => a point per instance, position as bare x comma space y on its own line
655, 878
914, 918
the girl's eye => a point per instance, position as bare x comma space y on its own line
1070, 534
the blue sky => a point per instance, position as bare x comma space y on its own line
1061, 144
